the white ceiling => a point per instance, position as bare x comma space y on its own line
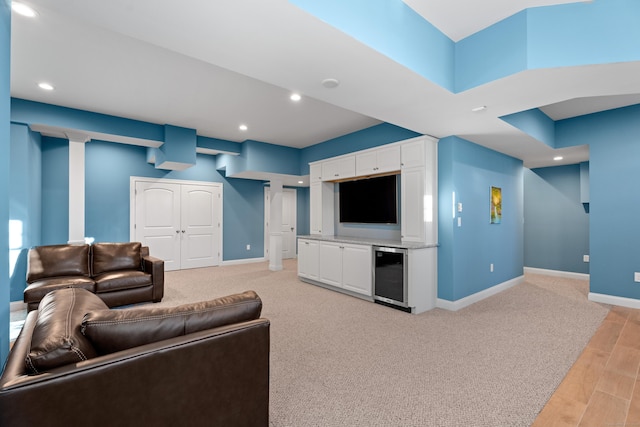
211, 66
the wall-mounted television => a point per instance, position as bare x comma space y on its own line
369, 201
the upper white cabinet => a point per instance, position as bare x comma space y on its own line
380, 160
339, 168
315, 172
413, 153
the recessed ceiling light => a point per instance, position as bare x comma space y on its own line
23, 9
243, 127
557, 158
300, 182
330, 83
295, 97
480, 108
45, 86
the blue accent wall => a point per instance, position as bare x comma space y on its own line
556, 226
535, 123
5, 138
24, 203
55, 191
614, 149
468, 171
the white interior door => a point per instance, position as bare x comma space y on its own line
288, 226
180, 222
200, 226
157, 220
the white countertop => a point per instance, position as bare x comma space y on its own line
368, 241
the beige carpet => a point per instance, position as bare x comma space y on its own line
337, 360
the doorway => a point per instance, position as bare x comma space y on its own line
180, 221
288, 226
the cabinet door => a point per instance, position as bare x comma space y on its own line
366, 163
356, 269
343, 167
412, 154
308, 259
413, 209
388, 159
315, 208
315, 172
331, 264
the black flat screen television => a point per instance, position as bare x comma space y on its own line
369, 201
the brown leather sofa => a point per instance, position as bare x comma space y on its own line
119, 273
77, 362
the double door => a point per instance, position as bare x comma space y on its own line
180, 222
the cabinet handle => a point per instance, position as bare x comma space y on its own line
336, 174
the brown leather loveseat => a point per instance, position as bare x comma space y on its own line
119, 273
77, 362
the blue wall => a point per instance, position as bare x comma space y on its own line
24, 203
5, 151
466, 172
614, 149
556, 226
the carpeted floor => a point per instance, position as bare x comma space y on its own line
337, 360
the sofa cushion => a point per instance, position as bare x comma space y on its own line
57, 260
37, 290
114, 330
116, 256
57, 339
123, 279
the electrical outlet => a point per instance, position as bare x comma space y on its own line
248, 247
585, 258
636, 277
491, 267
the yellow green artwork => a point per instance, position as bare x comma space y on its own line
496, 205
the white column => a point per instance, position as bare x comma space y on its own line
76, 188
275, 226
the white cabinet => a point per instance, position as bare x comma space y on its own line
418, 189
413, 153
412, 215
339, 168
315, 172
331, 263
357, 269
321, 208
341, 265
308, 257
378, 160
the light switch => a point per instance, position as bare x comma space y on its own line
459, 221
459, 207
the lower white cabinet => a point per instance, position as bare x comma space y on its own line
308, 259
342, 265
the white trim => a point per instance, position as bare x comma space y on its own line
614, 300
478, 296
557, 273
243, 261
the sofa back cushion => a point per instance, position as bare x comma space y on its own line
57, 261
116, 256
114, 330
57, 339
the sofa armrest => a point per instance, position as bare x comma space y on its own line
155, 266
215, 377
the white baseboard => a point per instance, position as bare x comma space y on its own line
478, 296
613, 300
557, 273
243, 261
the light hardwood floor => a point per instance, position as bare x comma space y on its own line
603, 386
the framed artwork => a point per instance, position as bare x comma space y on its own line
496, 205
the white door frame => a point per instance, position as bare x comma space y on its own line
267, 190
132, 202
